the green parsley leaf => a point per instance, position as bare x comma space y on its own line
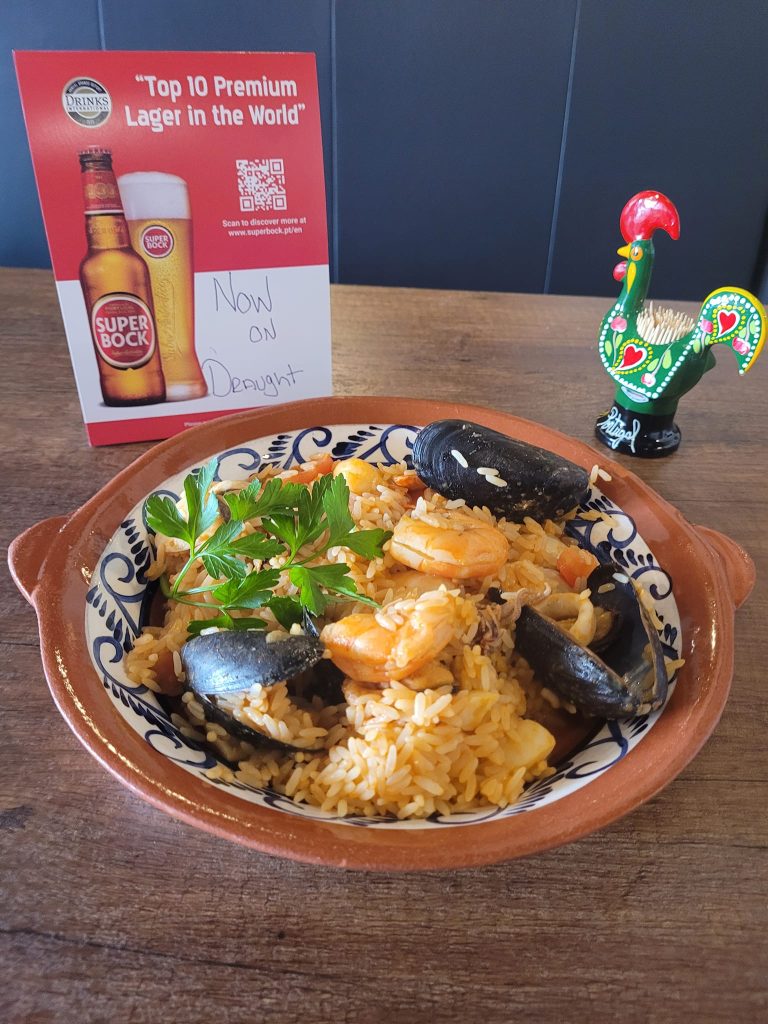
256, 501
284, 527
163, 517
287, 610
241, 503
280, 495
368, 543
336, 578
225, 621
311, 521
216, 555
257, 546
335, 501
226, 593
305, 520
202, 508
251, 592
249, 622
223, 566
311, 578
222, 537
310, 594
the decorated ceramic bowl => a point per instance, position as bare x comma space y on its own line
93, 598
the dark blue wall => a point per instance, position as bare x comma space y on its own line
449, 123
673, 96
478, 143
54, 24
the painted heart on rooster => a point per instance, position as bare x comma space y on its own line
632, 356
726, 321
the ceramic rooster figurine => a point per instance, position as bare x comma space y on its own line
654, 354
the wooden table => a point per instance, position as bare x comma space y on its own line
112, 911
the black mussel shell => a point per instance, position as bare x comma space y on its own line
536, 482
327, 683
240, 731
227, 661
629, 675
325, 679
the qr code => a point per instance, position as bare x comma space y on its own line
261, 184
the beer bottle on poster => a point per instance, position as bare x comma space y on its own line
118, 293
159, 219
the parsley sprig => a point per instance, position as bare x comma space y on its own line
291, 518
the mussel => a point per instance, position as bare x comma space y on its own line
239, 730
513, 479
627, 677
325, 679
231, 660
218, 664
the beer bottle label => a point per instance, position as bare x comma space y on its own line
101, 192
124, 330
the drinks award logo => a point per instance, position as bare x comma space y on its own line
86, 102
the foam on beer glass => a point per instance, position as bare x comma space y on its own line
160, 223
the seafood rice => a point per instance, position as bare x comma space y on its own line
437, 711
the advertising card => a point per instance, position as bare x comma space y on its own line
184, 202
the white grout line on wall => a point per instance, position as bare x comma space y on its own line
334, 176
561, 161
100, 23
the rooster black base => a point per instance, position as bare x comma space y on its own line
638, 433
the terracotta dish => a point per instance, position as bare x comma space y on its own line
59, 567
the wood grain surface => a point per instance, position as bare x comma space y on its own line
113, 912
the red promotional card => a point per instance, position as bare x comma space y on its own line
184, 202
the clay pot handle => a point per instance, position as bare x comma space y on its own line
28, 552
738, 566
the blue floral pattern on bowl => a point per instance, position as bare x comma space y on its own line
117, 606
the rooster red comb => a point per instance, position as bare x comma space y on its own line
645, 213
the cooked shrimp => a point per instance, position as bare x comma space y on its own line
415, 583
361, 476
429, 678
450, 543
396, 641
